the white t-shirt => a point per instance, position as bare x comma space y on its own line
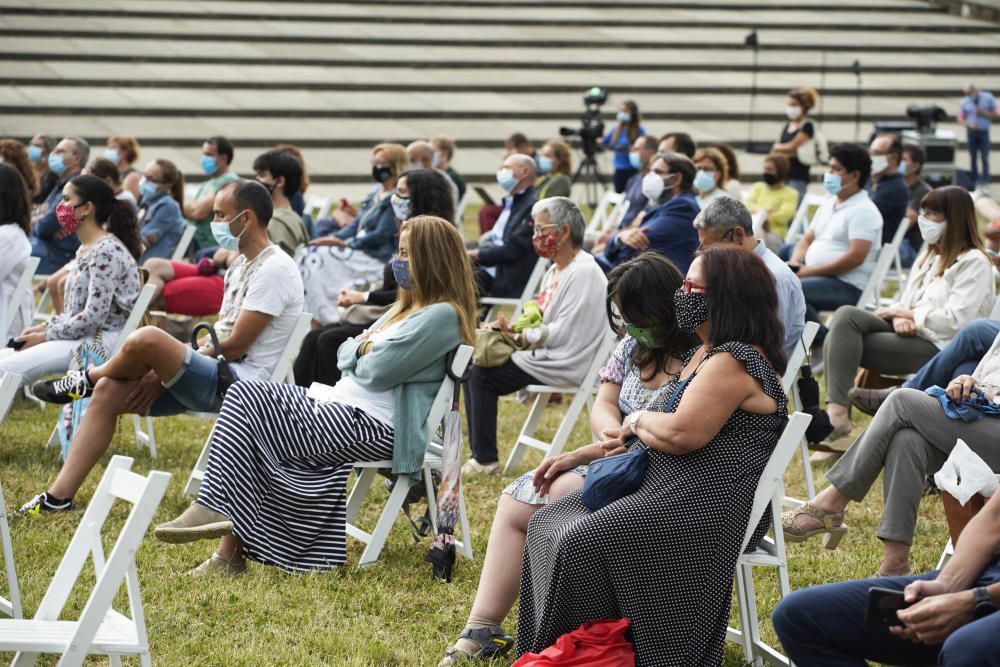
14, 252
275, 289
836, 224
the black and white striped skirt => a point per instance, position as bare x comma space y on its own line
279, 468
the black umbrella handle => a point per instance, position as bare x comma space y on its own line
458, 379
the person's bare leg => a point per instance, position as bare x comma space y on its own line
830, 500
148, 348
895, 559
161, 272
93, 436
838, 414
231, 548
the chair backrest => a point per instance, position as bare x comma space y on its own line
9, 384
798, 355
758, 220
18, 300
770, 488
870, 294
144, 494
446, 392
183, 243
10, 607
283, 369
139, 309
800, 223
609, 200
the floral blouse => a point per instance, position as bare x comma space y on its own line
634, 394
101, 288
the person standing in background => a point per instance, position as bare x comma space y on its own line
798, 130
620, 140
976, 111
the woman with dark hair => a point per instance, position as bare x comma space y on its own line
15, 225
775, 198
418, 193
105, 169
798, 131
648, 357
620, 139
664, 555
101, 288
298, 200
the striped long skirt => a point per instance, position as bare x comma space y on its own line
278, 467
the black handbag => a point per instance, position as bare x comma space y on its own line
226, 375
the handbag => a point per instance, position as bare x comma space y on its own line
226, 375
494, 347
602, 643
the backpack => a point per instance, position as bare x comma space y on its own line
816, 150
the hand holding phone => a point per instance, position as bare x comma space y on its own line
883, 603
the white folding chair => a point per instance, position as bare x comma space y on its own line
530, 289
282, 372
770, 552
9, 384
604, 213
11, 607
460, 211
375, 540
871, 295
100, 629
800, 223
791, 387
582, 395
19, 299
183, 243
758, 220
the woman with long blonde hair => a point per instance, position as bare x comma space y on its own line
274, 489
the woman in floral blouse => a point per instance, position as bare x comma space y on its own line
102, 286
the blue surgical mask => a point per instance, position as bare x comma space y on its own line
623, 116
506, 180
902, 168
209, 164
147, 188
436, 160
34, 153
401, 271
56, 164
224, 237
635, 160
704, 181
111, 154
832, 182
544, 164
401, 206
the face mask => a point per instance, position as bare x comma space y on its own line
111, 154
691, 309
544, 164
208, 164
635, 160
623, 116
224, 237
401, 206
644, 336
401, 271
770, 179
381, 174
64, 215
506, 180
147, 188
704, 181
930, 231
832, 182
34, 153
546, 245
652, 186
879, 163
902, 168
56, 164
436, 160
793, 112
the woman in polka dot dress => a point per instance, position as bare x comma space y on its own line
664, 556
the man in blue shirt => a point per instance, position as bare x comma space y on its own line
48, 240
977, 110
889, 192
642, 154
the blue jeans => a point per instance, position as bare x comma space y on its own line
826, 293
959, 357
907, 255
798, 186
979, 145
824, 626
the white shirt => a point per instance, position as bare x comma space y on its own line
791, 302
378, 404
838, 223
14, 252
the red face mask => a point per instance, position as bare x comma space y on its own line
64, 214
546, 245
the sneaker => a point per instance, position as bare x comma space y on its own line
196, 523
217, 566
43, 502
474, 467
71, 387
869, 400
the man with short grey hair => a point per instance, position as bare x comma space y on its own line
726, 221
421, 155
49, 241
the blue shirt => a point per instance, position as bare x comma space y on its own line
791, 301
670, 230
636, 200
969, 109
891, 196
160, 226
622, 147
374, 230
56, 252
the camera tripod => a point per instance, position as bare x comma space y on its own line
592, 178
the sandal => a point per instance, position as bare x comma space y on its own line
832, 534
492, 642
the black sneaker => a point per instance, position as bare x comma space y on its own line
71, 387
44, 503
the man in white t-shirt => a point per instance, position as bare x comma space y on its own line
837, 255
153, 373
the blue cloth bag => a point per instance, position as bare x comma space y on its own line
974, 408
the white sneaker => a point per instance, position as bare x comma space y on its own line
474, 467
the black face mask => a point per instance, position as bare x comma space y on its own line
691, 310
381, 174
770, 179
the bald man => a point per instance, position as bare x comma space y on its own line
422, 157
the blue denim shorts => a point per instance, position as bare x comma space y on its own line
193, 388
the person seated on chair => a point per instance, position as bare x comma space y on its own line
217, 155
775, 198
49, 241
555, 169
712, 175
912, 168
154, 373
643, 362
102, 284
15, 249
107, 171
889, 192
666, 228
951, 620
444, 153
123, 153
160, 221
836, 255
418, 193
677, 142
516, 144
664, 555
555, 349
951, 284
643, 152
733, 186
421, 154
504, 258
274, 489
909, 438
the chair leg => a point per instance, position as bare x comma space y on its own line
24, 659
115, 660
561, 437
194, 480
744, 615
388, 517
358, 493
807, 470
465, 546
527, 431
751, 629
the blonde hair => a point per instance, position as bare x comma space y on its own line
807, 97
563, 164
129, 147
440, 272
399, 161
718, 159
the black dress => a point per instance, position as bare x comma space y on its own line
664, 556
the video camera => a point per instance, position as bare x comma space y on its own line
591, 126
926, 118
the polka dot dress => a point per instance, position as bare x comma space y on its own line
664, 556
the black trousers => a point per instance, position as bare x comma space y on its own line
482, 390
317, 361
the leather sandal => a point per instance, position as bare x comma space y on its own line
832, 534
492, 642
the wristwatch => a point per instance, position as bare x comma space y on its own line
633, 419
982, 604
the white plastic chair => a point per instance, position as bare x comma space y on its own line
11, 607
183, 243
770, 552
582, 395
19, 300
319, 207
871, 295
800, 223
100, 629
375, 540
530, 289
791, 387
605, 213
282, 372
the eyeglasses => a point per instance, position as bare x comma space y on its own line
542, 230
691, 286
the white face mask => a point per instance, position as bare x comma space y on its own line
652, 186
793, 112
879, 163
930, 231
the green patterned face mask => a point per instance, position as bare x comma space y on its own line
644, 336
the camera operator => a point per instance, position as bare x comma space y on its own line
620, 139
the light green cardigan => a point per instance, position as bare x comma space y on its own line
410, 362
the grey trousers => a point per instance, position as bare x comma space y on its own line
858, 339
910, 437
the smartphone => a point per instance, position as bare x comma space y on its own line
15, 344
794, 267
883, 603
